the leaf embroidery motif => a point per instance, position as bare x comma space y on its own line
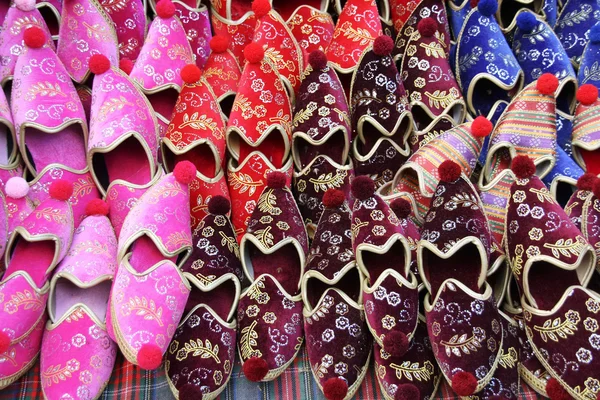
248, 341
265, 237
360, 35
356, 226
27, 299
517, 261
243, 183
55, 374
509, 359
267, 203
440, 99
96, 31
555, 330
114, 5
462, 344
254, 293
9, 356
303, 115
466, 200
567, 247
197, 348
410, 371
205, 280
434, 50
89, 246
575, 17
177, 240
146, 309
44, 89
231, 244
329, 181
82, 187
543, 195
199, 122
112, 105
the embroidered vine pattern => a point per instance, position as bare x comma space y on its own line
264, 236
55, 374
198, 348
28, 300
440, 99
144, 308
329, 181
555, 329
244, 183
543, 195
463, 344
267, 203
412, 371
356, 226
89, 246
44, 89
51, 214
82, 187
197, 121
231, 244
517, 261
248, 341
509, 359
567, 247
255, 293
360, 35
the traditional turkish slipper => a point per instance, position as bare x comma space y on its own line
562, 179
34, 249
273, 253
85, 29
129, 20
202, 353
18, 19
157, 69
527, 126
18, 358
589, 212
311, 183
486, 67
354, 33
378, 100
279, 44
494, 197
535, 44
195, 19
591, 52
574, 207
383, 255
9, 171
338, 341
419, 175
574, 36
586, 133
379, 164
222, 72
239, 29
79, 292
421, 136
153, 243
46, 109
312, 28
124, 149
18, 204
561, 266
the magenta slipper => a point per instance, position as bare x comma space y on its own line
273, 253
464, 325
201, 356
149, 291
130, 25
34, 249
77, 355
383, 255
337, 338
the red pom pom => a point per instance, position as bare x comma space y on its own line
165, 9
219, 205
219, 43
335, 389
547, 84
481, 126
184, 172
362, 187
34, 37
407, 391
276, 180
596, 188
449, 171
473, 3
126, 65
61, 190
383, 45
401, 207
190, 392
586, 181
464, 383
97, 207
333, 198
261, 8
523, 167
149, 357
396, 343
427, 27
4, 342
317, 60
99, 64
254, 53
190, 73
255, 369
555, 391
587, 94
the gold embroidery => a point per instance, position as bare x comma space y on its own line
75, 315
51, 214
412, 371
231, 243
517, 262
356, 226
205, 280
89, 246
265, 237
144, 308
114, 5
44, 89
570, 207
248, 341
591, 389
243, 182
329, 181
508, 360
97, 31
554, 329
303, 115
197, 348
267, 203
55, 374
542, 195
177, 239
360, 35
440, 99
458, 345
254, 293
197, 121
434, 50
82, 187
111, 106
10, 356
29, 301
567, 247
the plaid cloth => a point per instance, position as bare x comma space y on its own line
131, 383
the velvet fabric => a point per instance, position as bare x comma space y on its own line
12, 44
590, 215
564, 132
575, 205
201, 191
321, 124
457, 15
589, 64
222, 73
163, 214
9, 153
16, 211
196, 23
246, 182
239, 32
527, 127
565, 340
312, 28
416, 367
380, 163
281, 48
129, 20
586, 131
20, 357
354, 32
487, 69
573, 36
8, 171
311, 183
84, 188
85, 29
563, 177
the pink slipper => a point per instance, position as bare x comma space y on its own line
18, 204
273, 253
34, 249
154, 241
130, 24
76, 331
126, 151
